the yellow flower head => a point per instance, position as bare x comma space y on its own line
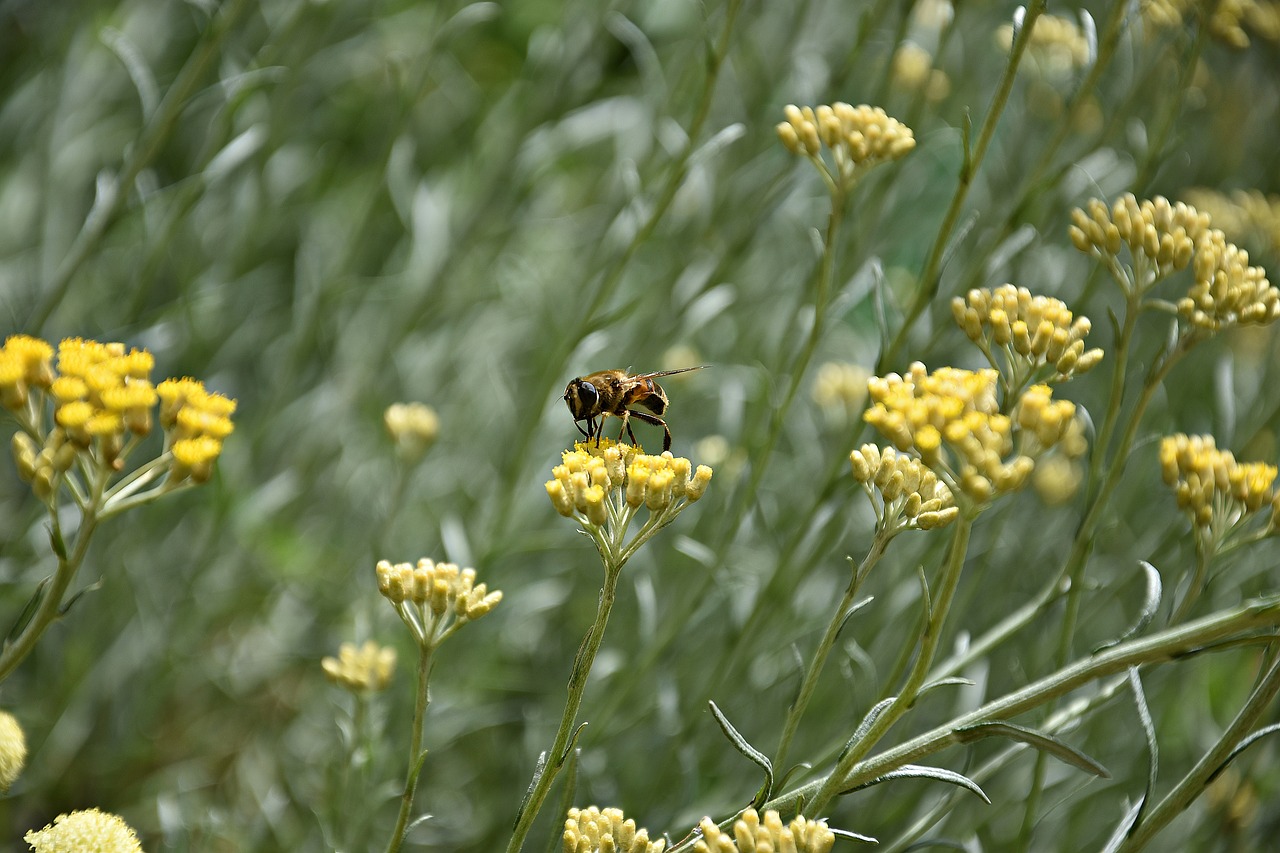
25, 363
13, 750
858, 138
83, 831
594, 830
1208, 483
1161, 237
413, 427
361, 669
910, 494
434, 599
1248, 215
1036, 333
1227, 290
751, 834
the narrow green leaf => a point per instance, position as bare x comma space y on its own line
949, 681
1150, 604
538, 769
1153, 748
740, 743
867, 722
919, 771
852, 836
1041, 741
1245, 744
1125, 826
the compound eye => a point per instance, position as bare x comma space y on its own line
588, 395
581, 398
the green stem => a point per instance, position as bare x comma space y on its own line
797, 709
1194, 783
927, 285
51, 602
1168, 645
416, 755
582, 664
833, 784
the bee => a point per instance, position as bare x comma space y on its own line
594, 397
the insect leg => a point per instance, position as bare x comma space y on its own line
656, 421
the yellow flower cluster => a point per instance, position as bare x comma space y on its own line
1228, 21
13, 750
912, 68
1057, 45
924, 411
1227, 290
1161, 236
593, 830
83, 831
361, 669
770, 835
592, 472
858, 138
1210, 485
1248, 215
1040, 330
434, 599
911, 496
840, 386
101, 395
413, 427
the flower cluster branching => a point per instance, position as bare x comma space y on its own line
904, 493
1037, 337
858, 139
1219, 494
1160, 236
602, 485
1227, 290
594, 830
361, 669
753, 834
434, 599
951, 419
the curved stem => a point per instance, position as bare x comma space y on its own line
416, 754
797, 709
834, 782
555, 758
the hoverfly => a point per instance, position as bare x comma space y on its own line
614, 392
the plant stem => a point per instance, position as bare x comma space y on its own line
1193, 784
797, 709
1167, 645
582, 663
833, 783
416, 754
927, 285
51, 602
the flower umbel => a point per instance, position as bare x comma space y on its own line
751, 834
82, 831
1161, 237
602, 487
858, 139
905, 494
1038, 336
13, 750
434, 599
594, 830
361, 669
1216, 491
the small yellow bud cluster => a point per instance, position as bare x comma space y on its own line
413, 427
84, 831
911, 496
858, 138
1056, 45
840, 387
1211, 486
1248, 215
1040, 330
770, 835
1227, 291
434, 599
924, 411
593, 830
1161, 236
103, 401
599, 483
361, 669
912, 69
13, 750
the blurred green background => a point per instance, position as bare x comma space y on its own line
322, 208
